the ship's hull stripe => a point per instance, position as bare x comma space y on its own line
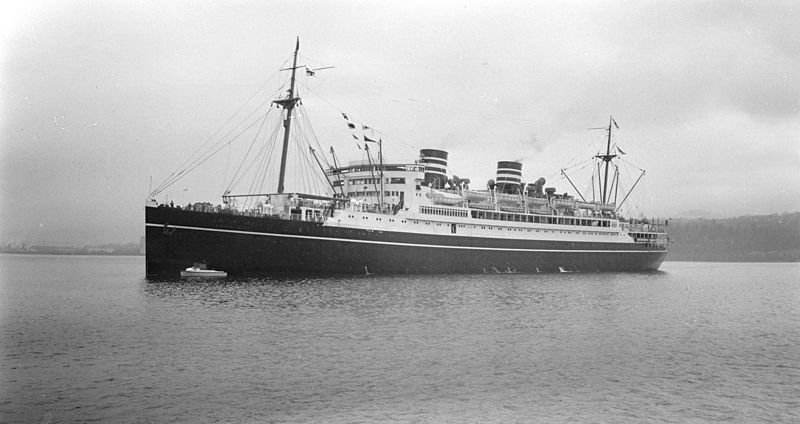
504, 249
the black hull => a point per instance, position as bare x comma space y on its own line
175, 239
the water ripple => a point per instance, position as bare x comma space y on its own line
90, 340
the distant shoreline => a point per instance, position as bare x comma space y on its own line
27, 252
719, 261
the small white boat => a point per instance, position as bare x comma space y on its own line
199, 270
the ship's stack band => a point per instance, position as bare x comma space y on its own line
435, 162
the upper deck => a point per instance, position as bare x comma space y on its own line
389, 196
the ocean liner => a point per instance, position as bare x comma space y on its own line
378, 216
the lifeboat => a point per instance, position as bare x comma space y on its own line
508, 198
445, 198
535, 201
564, 203
476, 196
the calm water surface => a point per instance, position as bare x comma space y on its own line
88, 339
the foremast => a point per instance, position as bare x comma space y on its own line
288, 104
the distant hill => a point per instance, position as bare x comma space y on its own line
103, 249
697, 213
759, 238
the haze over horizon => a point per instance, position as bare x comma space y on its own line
98, 96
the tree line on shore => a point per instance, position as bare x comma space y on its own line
752, 238
103, 249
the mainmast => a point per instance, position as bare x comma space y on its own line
288, 104
607, 158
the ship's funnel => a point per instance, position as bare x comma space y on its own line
435, 162
509, 177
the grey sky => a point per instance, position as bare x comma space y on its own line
97, 96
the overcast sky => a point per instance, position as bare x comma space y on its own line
98, 96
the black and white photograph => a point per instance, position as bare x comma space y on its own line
351, 211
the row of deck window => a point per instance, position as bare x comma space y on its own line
543, 219
483, 227
372, 193
515, 217
433, 210
392, 180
